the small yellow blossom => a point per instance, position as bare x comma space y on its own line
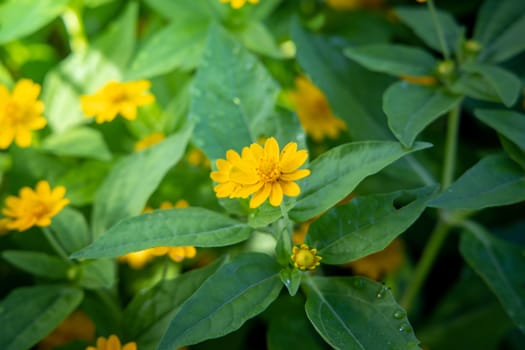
237, 4
77, 326
117, 98
313, 111
427, 80
150, 140
20, 113
305, 258
197, 158
112, 343
377, 265
34, 207
353, 4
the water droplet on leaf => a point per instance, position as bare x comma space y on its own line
399, 314
236, 100
405, 327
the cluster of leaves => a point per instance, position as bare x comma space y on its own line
217, 75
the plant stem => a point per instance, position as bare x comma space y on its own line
439, 30
74, 25
451, 145
56, 246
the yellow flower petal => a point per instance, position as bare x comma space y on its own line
260, 196
276, 195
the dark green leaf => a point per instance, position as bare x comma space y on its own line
171, 227
96, 274
495, 180
508, 123
78, 142
356, 313
338, 171
238, 291
38, 264
410, 108
513, 151
28, 314
70, 229
365, 225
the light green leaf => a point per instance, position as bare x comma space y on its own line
344, 310
83, 180
133, 179
28, 314
493, 181
96, 274
238, 291
70, 229
5, 76
37, 263
171, 227
256, 37
397, 60
336, 173
366, 225
147, 316
232, 92
501, 266
508, 123
410, 108
19, 18
78, 142
188, 10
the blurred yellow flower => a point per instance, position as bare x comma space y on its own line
150, 140
377, 265
20, 113
420, 80
112, 343
3, 225
237, 4
77, 326
305, 258
117, 98
353, 4
197, 158
34, 207
313, 111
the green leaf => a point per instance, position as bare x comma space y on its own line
397, 60
37, 263
344, 310
187, 10
171, 227
70, 229
133, 179
83, 180
366, 225
78, 142
232, 92
499, 28
256, 37
5, 76
510, 124
291, 278
336, 173
513, 151
493, 181
28, 314
410, 108
147, 316
19, 18
421, 22
238, 291
501, 266
96, 274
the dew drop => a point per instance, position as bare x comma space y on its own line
405, 328
399, 314
381, 292
236, 101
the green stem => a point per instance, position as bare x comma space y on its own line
56, 246
72, 18
439, 30
451, 145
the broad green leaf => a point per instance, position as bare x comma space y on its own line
507, 123
499, 28
501, 266
232, 92
187, 10
19, 18
397, 60
365, 225
256, 37
336, 173
335, 75
357, 313
37, 263
171, 227
70, 229
474, 86
421, 22
147, 316
263, 9
516, 153
238, 291
96, 274
133, 179
28, 314
410, 108
493, 181
78, 142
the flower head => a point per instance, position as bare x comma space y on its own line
112, 343
20, 113
305, 258
148, 141
313, 111
34, 207
226, 187
237, 4
77, 326
117, 98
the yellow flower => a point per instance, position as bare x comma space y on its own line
178, 254
148, 141
117, 98
377, 265
226, 187
313, 111
197, 158
34, 208
20, 113
112, 343
237, 4
305, 258
77, 326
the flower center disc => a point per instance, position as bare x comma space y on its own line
268, 170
